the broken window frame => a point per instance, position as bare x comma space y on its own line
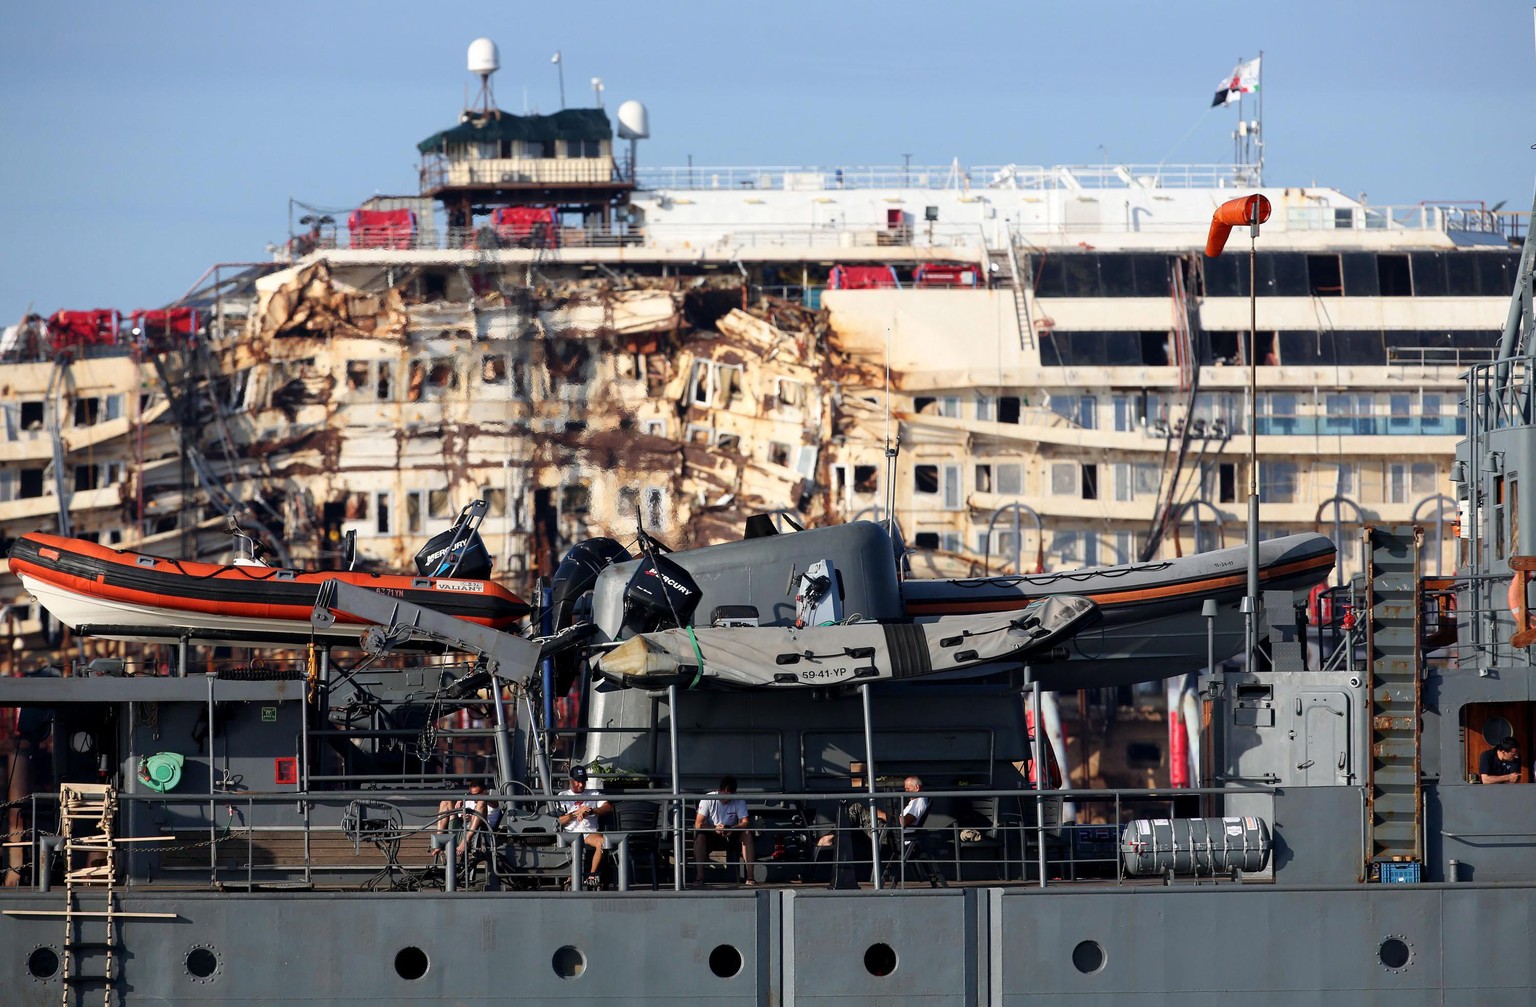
415, 512
383, 512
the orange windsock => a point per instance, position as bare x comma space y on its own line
1238, 212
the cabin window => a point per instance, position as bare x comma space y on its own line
983, 479
926, 540
1009, 478
983, 407
32, 416
357, 375
495, 500
30, 484
439, 504
866, 479
1277, 482
728, 442
1392, 276
1428, 270
1226, 482
415, 511
698, 434
1324, 278
1008, 409
1090, 481
778, 453
1484, 725
87, 411
1068, 547
575, 499
1154, 348
1064, 476
87, 477
382, 513
493, 369
953, 494
925, 479
383, 386
629, 501
441, 373
1078, 409
789, 393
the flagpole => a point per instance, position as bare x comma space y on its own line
1259, 83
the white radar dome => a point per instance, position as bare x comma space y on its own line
634, 121
484, 58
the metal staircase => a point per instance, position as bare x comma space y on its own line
1392, 647
86, 814
1020, 276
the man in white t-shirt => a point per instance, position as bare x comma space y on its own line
722, 820
580, 815
916, 808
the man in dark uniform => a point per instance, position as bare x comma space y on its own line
1501, 763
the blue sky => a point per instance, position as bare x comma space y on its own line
140, 143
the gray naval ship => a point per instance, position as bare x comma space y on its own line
264, 829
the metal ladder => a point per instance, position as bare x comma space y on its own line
86, 814
1019, 276
1392, 601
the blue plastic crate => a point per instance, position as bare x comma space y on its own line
1400, 873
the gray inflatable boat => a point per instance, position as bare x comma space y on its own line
816, 656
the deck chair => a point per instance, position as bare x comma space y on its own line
635, 835
915, 848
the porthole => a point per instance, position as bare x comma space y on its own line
569, 962
43, 963
1088, 957
1395, 953
411, 963
202, 963
880, 960
725, 961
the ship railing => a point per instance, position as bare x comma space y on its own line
1457, 357
939, 177
378, 839
1500, 394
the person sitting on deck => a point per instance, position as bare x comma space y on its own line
727, 819
580, 816
916, 808
1501, 763
471, 811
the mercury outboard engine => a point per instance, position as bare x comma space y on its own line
577, 573
459, 551
660, 594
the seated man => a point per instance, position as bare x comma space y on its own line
722, 820
471, 813
1501, 763
580, 816
914, 811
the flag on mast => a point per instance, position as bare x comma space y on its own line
1244, 79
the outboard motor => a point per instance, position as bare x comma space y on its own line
660, 595
577, 573
459, 551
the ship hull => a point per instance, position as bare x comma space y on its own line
1187, 945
